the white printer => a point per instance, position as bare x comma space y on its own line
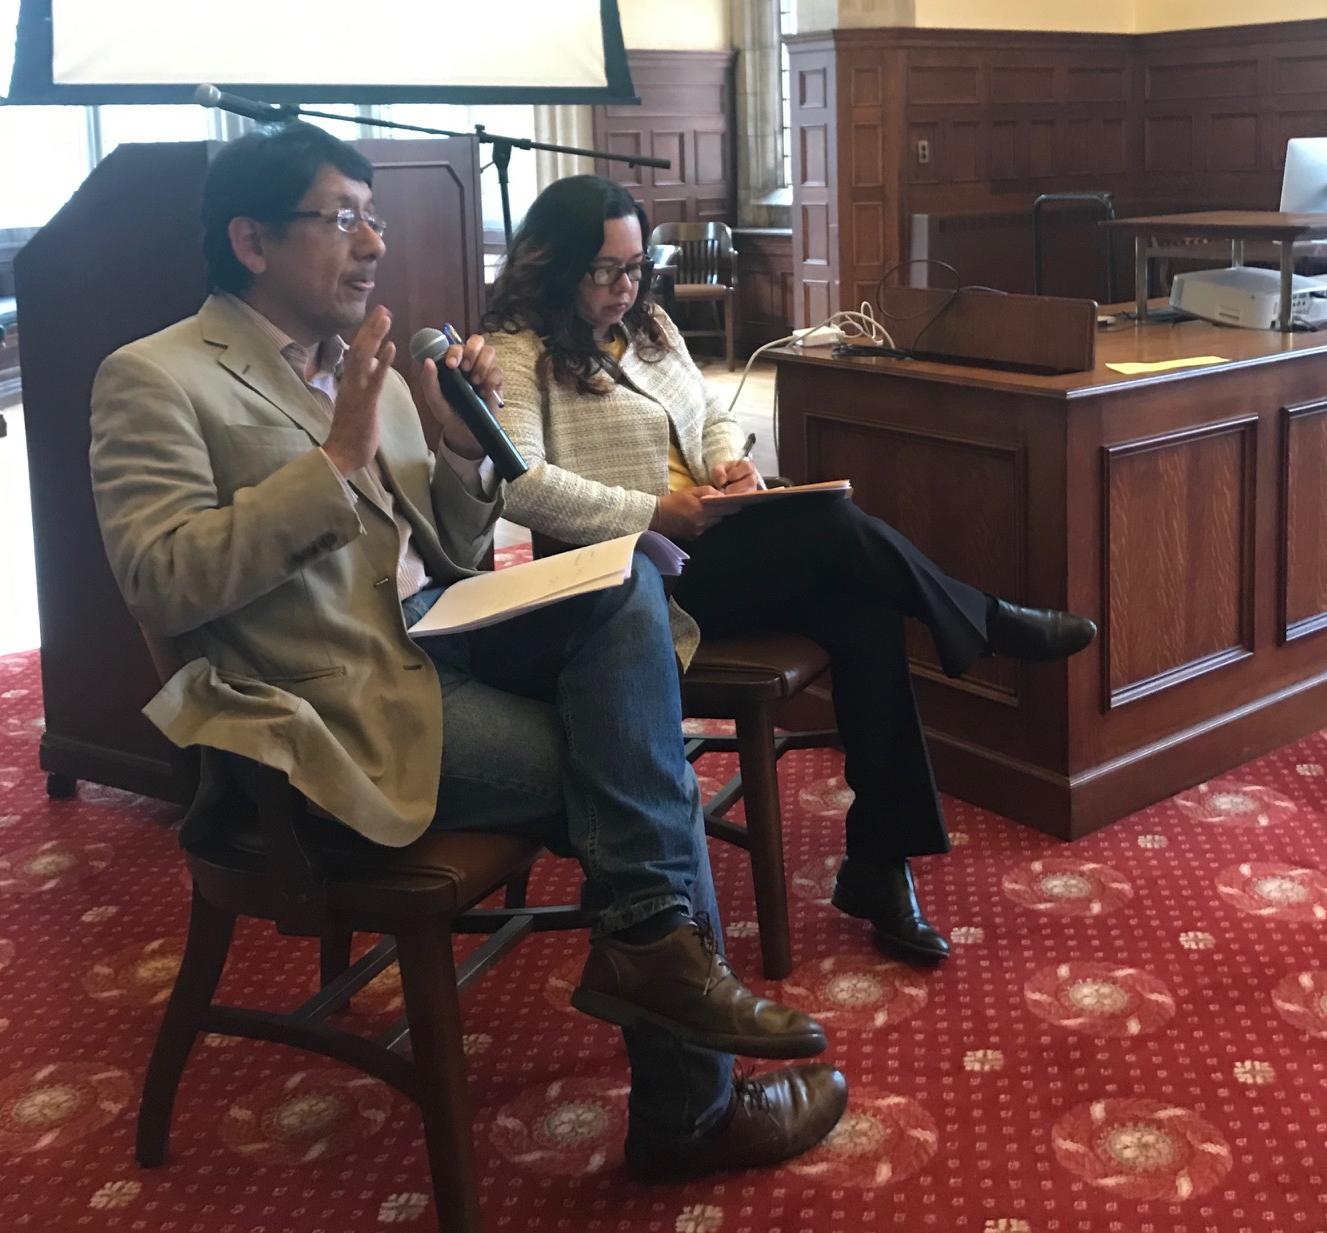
1248, 297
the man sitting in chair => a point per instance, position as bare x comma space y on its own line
269, 504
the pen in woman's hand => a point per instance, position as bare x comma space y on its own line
743, 456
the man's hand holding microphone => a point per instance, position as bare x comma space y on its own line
353, 439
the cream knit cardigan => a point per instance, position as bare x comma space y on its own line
599, 463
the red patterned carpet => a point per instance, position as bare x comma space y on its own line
1130, 1036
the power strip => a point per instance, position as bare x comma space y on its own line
821, 336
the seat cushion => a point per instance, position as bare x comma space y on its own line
767, 666
454, 867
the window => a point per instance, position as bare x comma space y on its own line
45, 153
113, 126
787, 25
8, 37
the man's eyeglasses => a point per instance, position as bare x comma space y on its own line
607, 275
346, 219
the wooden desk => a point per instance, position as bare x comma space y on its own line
1182, 511
1238, 226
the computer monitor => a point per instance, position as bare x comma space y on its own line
1304, 187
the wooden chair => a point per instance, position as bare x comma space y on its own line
748, 680
706, 265
276, 860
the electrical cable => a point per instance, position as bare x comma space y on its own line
953, 294
859, 324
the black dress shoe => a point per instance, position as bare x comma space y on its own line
1035, 633
770, 1118
885, 895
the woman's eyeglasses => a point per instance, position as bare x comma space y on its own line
607, 275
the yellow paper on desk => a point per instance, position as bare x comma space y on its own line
1193, 361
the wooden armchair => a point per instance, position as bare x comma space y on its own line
705, 264
276, 860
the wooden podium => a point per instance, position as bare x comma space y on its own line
122, 259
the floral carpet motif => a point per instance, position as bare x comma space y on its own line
1131, 1034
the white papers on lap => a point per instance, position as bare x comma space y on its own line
501, 594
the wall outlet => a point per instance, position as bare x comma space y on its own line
923, 150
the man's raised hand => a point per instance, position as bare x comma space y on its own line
353, 440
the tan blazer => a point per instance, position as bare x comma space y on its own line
230, 534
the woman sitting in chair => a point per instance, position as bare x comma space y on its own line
622, 434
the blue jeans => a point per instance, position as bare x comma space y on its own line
566, 723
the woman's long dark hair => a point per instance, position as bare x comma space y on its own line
551, 252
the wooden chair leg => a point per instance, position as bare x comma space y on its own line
517, 890
433, 1010
729, 330
334, 954
764, 827
210, 932
333, 959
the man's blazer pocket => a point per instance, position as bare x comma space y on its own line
255, 451
309, 674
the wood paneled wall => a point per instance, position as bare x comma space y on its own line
816, 197
685, 116
765, 284
1216, 108
966, 128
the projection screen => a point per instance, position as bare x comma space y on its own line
315, 51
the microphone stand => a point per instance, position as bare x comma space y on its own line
502, 146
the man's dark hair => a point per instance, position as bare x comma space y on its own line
263, 175
552, 251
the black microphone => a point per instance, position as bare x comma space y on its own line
266, 113
429, 344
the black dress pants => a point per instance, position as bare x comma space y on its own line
820, 567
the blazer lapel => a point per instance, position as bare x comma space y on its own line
250, 357
406, 475
683, 439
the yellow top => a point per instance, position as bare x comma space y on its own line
679, 475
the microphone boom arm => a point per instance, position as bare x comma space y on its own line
502, 145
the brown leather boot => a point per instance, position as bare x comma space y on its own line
682, 985
771, 1118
